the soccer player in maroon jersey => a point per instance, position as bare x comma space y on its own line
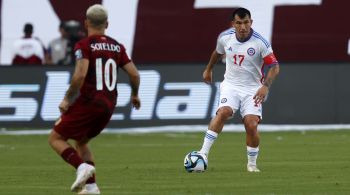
85, 114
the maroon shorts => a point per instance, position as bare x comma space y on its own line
83, 121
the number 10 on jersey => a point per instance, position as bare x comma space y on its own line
109, 66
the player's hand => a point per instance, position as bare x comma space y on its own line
207, 76
136, 103
261, 95
64, 105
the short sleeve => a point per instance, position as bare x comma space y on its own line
266, 49
124, 58
268, 56
220, 48
81, 51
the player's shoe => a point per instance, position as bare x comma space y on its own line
252, 168
84, 172
90, 189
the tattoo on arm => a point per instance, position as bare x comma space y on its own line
135, 87
271, 75
214, 58
72, 92
135, 84
268, 82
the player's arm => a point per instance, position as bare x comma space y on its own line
134, 77
81, 69
271, 69
208, 72
272, 73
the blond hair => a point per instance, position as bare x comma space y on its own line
97, 15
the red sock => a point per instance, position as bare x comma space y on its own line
92, 178
72, 157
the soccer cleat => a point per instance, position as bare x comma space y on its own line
252, 168
90, 189
84, 172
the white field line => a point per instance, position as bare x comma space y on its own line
193, 128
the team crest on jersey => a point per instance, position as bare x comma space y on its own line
223, 100
251, 51
78, 54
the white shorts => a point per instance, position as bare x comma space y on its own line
238, 100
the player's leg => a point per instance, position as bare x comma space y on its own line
252, 140
67, 152
86, 154
85, 171
70, 155
215, 128
76, 124
227, 105
84, 151
251, 126
252, 115
98, 123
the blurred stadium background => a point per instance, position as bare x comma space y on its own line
170, 41
164, 38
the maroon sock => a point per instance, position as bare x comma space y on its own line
92, 178
72, 157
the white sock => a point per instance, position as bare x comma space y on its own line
209, 139
252, 154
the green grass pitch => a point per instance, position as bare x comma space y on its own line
293, 163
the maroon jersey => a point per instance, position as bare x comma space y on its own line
33, 59
105, 56
91, 112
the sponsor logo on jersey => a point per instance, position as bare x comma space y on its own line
223, 100
78, 54
251, 51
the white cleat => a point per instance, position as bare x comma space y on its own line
90, 189
252, 168
84, 172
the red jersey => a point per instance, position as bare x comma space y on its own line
105, 56
91, 112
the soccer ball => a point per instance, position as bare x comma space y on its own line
195, 162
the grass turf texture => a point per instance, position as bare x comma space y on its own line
313, 162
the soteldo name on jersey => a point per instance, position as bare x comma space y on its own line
104, 46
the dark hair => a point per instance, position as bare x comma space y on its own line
28, 28
241, 13
62, 25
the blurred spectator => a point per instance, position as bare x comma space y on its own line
57, 47
28, 50
61, 50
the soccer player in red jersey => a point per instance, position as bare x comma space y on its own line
85, 114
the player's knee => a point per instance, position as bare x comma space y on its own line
251, 125
82, 143
225, 113
53, 137
50, 139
